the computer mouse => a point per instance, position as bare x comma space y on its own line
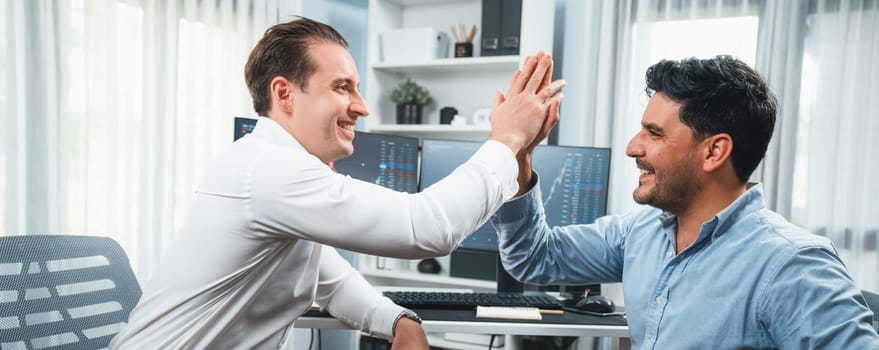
429, 266
596, 303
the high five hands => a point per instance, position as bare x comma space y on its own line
530, 109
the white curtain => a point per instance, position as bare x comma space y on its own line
609, 44
113, 109
837, 158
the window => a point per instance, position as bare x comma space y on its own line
6, 114
142, 96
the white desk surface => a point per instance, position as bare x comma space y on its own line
488, 327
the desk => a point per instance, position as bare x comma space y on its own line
465, 321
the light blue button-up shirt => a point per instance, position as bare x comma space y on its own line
750, 280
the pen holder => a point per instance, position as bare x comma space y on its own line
463, 49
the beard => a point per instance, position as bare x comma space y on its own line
673, 188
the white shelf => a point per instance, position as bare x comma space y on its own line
435, 131
416, 128
431, 128
507, 64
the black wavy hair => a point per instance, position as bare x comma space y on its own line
720, 95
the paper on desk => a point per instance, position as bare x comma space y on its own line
516, 313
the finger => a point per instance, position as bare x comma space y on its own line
539, 73
548, 77
522, 79
513, 80
552, 90
555, 108
498, 98
553, 115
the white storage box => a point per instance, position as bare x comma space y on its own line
414, 45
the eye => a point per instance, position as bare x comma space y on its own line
343, 87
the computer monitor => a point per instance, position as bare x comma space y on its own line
438, 159
573, 183
243, 126
387, 160
573, 187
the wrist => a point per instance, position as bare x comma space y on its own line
405, 316
513, 143
526, 180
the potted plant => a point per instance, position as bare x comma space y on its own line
410, 99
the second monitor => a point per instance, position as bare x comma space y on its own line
386, 160
573, 187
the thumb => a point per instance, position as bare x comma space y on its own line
498, 98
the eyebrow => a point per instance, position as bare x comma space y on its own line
652, 127
348, 81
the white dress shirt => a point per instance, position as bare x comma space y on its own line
257, 245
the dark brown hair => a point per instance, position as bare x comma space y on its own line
283, 51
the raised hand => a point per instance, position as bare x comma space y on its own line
524, 117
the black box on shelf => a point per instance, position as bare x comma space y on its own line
501, 27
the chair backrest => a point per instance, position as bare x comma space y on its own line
63, 292
873, 304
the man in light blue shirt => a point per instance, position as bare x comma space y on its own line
706, 265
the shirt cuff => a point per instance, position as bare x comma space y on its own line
501, 161
387, 314
522, 206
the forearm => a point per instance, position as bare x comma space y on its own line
536, 253
346, 295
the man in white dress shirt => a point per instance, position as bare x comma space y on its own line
258, 243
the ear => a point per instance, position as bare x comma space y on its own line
282, 94
717, 150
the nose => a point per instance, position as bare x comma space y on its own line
635, 148
357, 108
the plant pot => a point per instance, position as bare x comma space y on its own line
409, 113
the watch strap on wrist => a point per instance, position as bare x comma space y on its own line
407, 314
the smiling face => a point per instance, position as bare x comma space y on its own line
325, 111
665, 152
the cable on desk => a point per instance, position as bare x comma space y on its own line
311, 339
491, 342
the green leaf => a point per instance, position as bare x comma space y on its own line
409, 92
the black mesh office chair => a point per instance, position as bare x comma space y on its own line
63, 292
873, 304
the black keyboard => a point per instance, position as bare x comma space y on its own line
447, 300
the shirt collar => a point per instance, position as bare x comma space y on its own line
750, 201
268, 129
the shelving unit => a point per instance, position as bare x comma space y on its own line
467, 84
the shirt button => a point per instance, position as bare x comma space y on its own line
649, 342
669, 254
660, 299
